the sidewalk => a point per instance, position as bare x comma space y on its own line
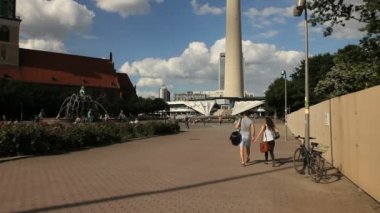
197, 170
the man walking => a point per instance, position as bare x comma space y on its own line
247, 131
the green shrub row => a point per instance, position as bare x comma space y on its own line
38, 139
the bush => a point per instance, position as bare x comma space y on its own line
32, 139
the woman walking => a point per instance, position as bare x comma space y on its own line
268, 130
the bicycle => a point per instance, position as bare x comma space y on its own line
312, 159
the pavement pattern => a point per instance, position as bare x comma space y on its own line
197, 170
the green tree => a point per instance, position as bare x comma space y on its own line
343, 79
319, 65
338, 12
356, 67
274, 97
352, 71
140, 105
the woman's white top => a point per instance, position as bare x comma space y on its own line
268, 134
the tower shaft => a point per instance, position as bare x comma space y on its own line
233, 83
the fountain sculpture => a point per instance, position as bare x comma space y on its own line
81, 107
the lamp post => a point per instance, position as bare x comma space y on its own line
283, 73
297, 11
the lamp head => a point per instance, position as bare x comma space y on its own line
300, 5
297, 11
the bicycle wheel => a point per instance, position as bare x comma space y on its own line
316, 168
299, 161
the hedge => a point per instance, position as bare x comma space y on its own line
39, 138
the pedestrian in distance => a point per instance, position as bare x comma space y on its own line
247, 131
187, 122
268, 131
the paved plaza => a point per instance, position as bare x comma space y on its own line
197, 170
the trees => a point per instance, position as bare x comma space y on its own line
319, 65
338, 12
139, 105
343, 79
352, 71
352, 68
356, 67
274, 96
27, 99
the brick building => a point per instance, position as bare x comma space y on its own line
56, 70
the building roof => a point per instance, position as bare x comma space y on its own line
61, 69
125, 84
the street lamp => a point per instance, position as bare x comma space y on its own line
297, 11
283, 73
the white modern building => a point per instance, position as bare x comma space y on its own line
164, 93
213, 107
222, 63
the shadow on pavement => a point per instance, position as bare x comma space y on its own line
332, 175
153, 192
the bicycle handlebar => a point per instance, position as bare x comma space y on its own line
303, 138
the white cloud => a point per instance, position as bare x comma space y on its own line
46, 22
268, 16
349, 31
197, 67
149, 82
53, 19
125, 8
268, 34
40, 44
205, 9
147, 94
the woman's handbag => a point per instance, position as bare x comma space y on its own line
235, 138
264, 147
276, 135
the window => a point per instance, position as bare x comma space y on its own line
3, 55
4, 33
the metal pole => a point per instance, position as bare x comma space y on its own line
285, 107
307, 112
286, 110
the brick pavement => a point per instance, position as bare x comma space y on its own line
194, 171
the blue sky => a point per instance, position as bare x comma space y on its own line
176, 42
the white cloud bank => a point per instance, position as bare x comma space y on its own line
124, 8
45, 24
127, 7
270, 16
205, 9
197, 67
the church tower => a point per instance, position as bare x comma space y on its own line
9, 33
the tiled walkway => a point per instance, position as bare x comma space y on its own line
197, 170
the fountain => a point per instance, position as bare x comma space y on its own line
81, 107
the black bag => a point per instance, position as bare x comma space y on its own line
276, 135
235, 138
